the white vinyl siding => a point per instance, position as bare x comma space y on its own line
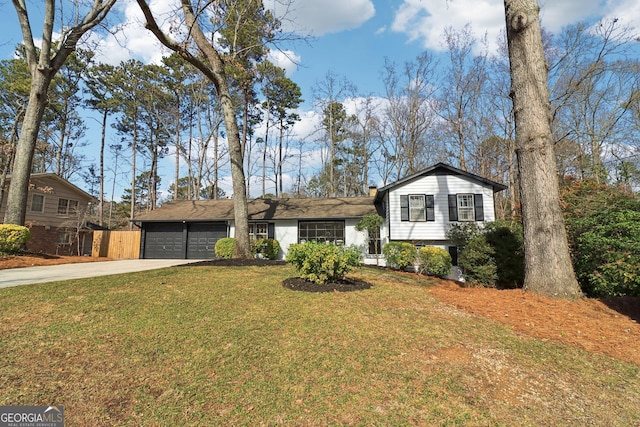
440, 186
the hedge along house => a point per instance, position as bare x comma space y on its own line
56, 215
417, 209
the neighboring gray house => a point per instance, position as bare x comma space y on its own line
56, 215
417, 209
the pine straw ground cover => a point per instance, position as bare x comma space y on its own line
211, 345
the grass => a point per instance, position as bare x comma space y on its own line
230, 346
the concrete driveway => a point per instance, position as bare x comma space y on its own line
54, 273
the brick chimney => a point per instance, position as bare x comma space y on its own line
373, 190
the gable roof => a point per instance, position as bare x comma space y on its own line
439, 168
52, 178
261, 209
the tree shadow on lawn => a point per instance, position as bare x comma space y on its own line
627, 306
345, 285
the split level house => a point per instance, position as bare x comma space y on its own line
418, 209
56, 215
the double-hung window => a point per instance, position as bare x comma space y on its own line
259, 230
37, 203
417, 207
67, 207
465, 207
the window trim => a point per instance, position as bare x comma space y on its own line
428, 202
466, 213
33, 196
420, 210
71, 207
333, 240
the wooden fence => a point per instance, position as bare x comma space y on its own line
116, 244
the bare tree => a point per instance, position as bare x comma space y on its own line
200, 51
43, 66
548, 267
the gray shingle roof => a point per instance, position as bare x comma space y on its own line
262, 209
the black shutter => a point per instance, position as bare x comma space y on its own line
271, 230
477, 204
431, 212
453, 207
404, 208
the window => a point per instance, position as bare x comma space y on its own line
465, 207
417, 210
258, 231
64, 238
321, 231
417, 207
67, 207
37, 203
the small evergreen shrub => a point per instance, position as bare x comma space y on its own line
435, 261
268, 248
478, 263
225, 247
399, 255
13, 237
506, 240
323, 262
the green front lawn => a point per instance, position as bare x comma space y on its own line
230, 346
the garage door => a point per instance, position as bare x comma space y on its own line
164, 240
202, 238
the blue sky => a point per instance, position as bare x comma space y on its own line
351, 38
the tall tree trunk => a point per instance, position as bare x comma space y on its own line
548, 267
19, 187
103, 137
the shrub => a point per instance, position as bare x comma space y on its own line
607, 257
323, 262
268, 248
435, 261
603, 227
478, 263
225, 247
399, 255
13, 237
505, 238
462, 232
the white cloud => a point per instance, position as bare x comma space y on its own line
425, 21
322, 17
286, 59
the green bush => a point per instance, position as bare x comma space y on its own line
399, 255
603, 227
13, 237
607, 257
225, 247
323, 262
435, 261
460, 233
506, 240
268, 248
478, 263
